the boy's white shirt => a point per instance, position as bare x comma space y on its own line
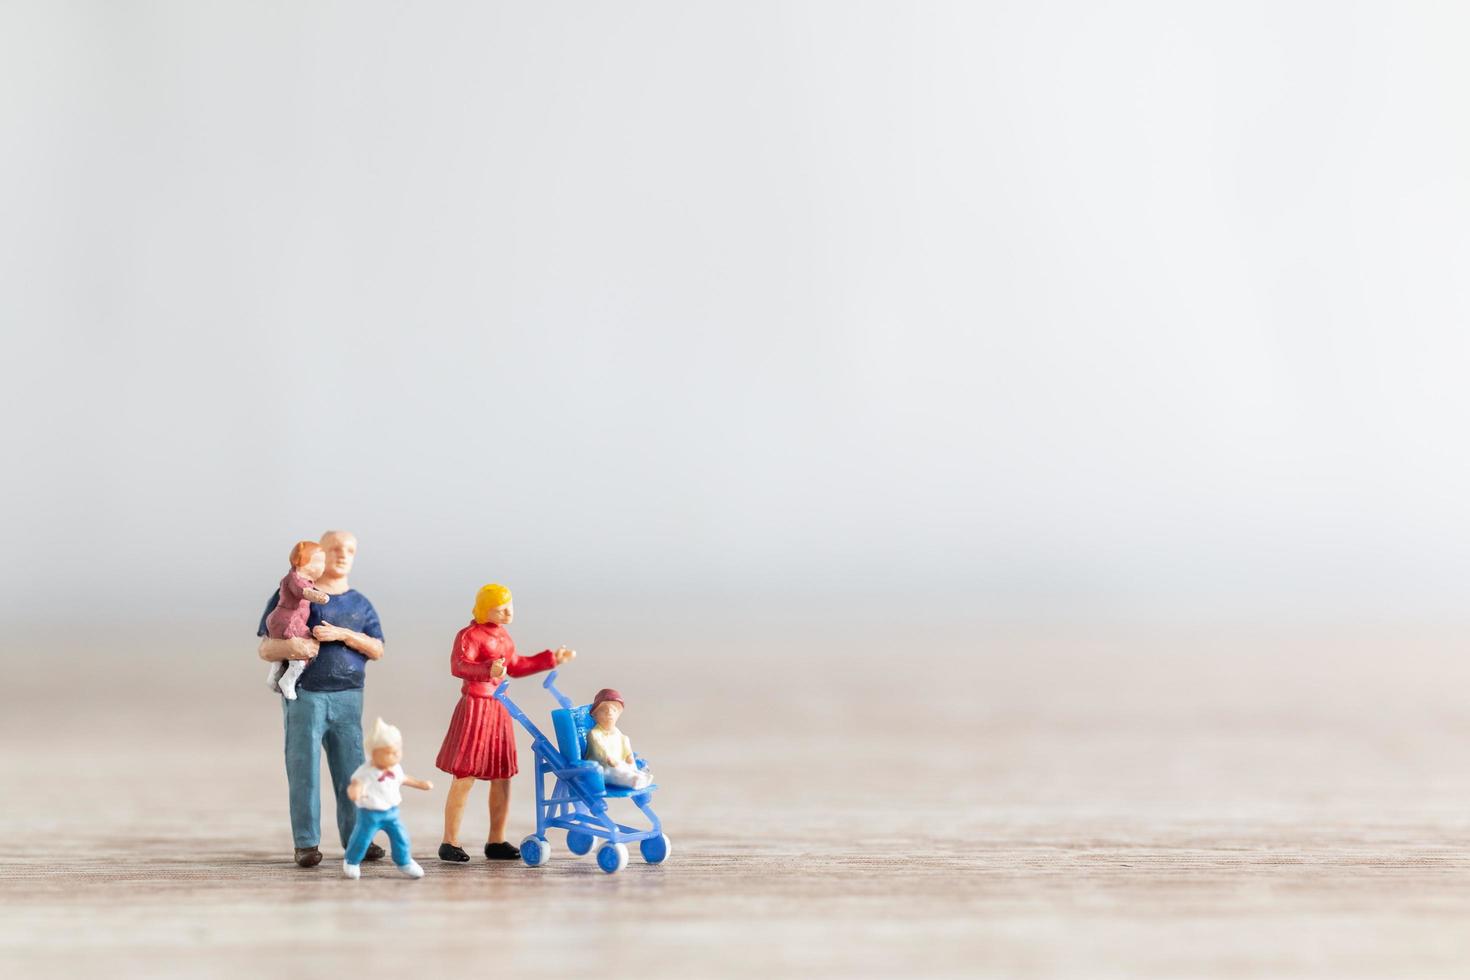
379, 794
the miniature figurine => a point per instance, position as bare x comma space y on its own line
480, 743
571, 792
327, 712
610, 748
377, 789
293, 606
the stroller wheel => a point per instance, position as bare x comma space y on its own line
656, 850
534, 851
579, 842
612, 857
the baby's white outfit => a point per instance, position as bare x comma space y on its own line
614, 753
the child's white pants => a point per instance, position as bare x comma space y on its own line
626, 775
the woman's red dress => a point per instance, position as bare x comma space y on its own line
481, 741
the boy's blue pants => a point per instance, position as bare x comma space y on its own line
369, 822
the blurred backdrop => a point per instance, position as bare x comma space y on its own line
1007, 453
1055, 311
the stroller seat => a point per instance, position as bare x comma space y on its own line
571, 726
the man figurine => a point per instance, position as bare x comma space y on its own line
327, 712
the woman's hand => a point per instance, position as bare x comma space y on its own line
563, 654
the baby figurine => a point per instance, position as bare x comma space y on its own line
609, 747
377, 789
293, 606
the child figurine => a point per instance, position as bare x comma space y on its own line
377, 789
609, 747
288, 619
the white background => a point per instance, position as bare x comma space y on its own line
1040, 310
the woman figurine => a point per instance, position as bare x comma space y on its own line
480, 743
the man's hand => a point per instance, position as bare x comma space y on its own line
563, 654
326, 632
497, 669
296, 648
302, 648
354, 790
361, 642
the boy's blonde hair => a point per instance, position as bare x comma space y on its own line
384, 734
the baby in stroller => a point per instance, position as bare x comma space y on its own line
610, 748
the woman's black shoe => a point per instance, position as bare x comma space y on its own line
450, 852
502, 852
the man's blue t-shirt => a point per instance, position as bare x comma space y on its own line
337, 666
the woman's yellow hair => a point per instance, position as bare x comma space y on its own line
488, 598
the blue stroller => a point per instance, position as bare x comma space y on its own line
578, 800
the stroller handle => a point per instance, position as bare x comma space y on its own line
550, 685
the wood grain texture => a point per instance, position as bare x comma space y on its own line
843, 801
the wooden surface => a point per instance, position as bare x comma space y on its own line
849, 801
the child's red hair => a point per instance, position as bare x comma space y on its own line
303, 552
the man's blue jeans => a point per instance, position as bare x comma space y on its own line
317, 720
369, 822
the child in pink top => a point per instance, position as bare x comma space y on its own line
293, 606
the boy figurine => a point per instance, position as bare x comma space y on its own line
609, 747
377, 789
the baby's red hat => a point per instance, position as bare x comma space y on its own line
607, 694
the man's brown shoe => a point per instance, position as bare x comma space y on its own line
374, 853
308, 857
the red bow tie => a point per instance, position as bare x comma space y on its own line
387, 774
